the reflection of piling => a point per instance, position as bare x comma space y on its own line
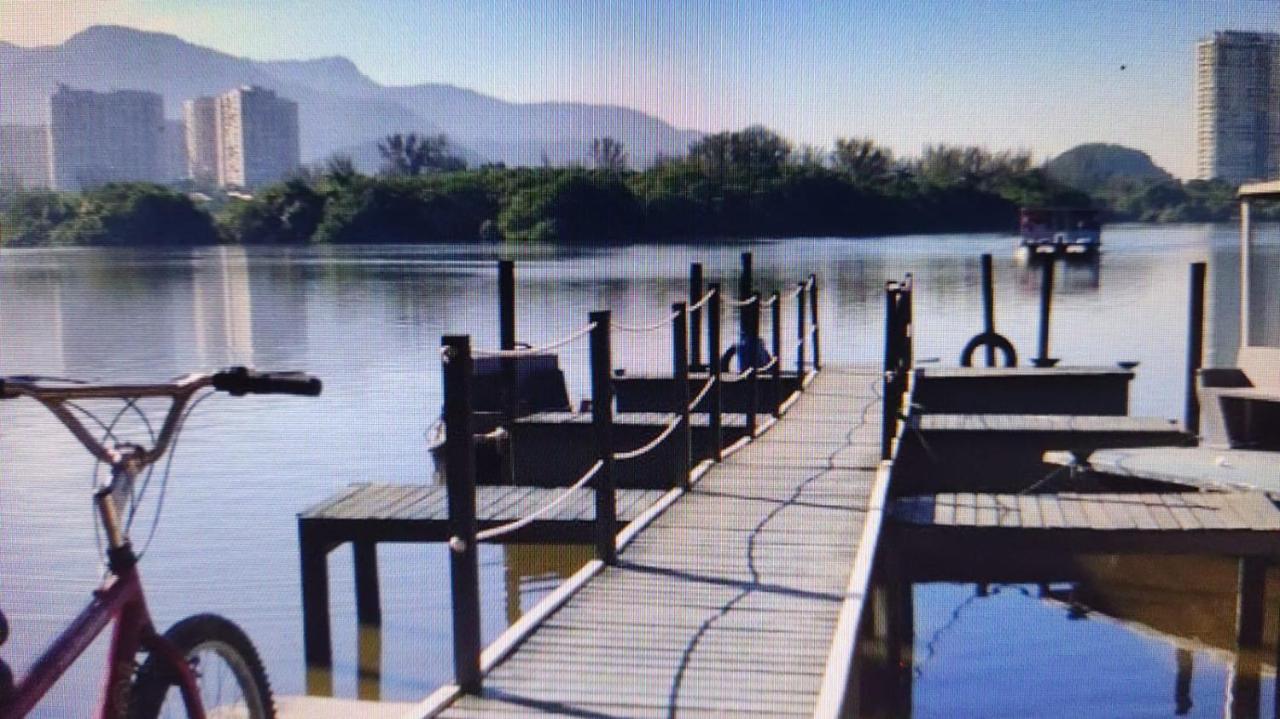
1046, 307
1195, 347
1182, 683
695, 317
1245, 692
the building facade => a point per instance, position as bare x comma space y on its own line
97, 137
257, 135
24, 156
201, 116
1238, 106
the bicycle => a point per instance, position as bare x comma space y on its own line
198, 654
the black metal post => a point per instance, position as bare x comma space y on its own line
680, 366
695, 317
907, 332
749, 347
460, 487
889, 415
745, 284
988, 307
507, 335
776, 320
716, 395
800, 332
1195, 347
813, 311
602, 421
1046, 307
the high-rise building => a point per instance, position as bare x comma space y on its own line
97, 137
201, 115
1238, 106
257, 137
24, 156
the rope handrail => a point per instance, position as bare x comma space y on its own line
706, 297
645, 328
509, 527
736, 376
801, 287
768, 365
808, 284
666, 432
702, 393
769, 302
526, 351
742, 303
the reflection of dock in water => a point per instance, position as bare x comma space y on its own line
531, 571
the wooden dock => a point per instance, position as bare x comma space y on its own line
741, 597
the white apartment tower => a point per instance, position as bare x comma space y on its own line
1238, 106
257, 137
201, 115
97, 137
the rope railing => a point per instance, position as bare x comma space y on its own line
645, 328
672, 423
542, 511
741, 303
769, 302
526, 351
706, 297
702, 393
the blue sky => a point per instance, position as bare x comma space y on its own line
1008, 74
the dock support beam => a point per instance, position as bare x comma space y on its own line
1245, 694
716, 395
460, 481
368, 602
1195, 347
602, 420
317, 644
680, 368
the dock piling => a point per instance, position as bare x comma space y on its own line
1046, 307
507, 335
800, 331
695, 317
460, 482
317, 643
680, 367
776, 321
602, 420
1195, 347
745, 284
988, 306
750, 345
716, 395
813, 312
368, 602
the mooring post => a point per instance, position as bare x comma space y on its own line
906, 294
695, 317
776, 321
507, 336
680, 367
317, 644
889, 413
460, 488
1046, 306
988, 307
752, 361
1195, 347
813, 312
716, 395
602, 421
368, 602
745, 284
800, 332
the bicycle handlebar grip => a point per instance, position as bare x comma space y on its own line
240, 381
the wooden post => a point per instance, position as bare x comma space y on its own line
907, 332
889, 415
507, 336
776, 321
1250, 603
745, 283
695, 317
1246, 284
368, 603
602, 421
813, 311
988, 307
716, 394
1046, 308
800, 332
317, 643
1195, 347
750, 346
680, 367
460, 486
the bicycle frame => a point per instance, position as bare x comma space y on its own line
119, 601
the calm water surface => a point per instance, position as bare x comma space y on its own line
368, 320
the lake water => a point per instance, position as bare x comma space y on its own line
368, 320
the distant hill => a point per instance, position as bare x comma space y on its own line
1090, 167
339, 106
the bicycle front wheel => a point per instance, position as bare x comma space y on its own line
229, 673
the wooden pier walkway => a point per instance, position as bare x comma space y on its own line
741, 598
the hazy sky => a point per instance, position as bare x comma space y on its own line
1008, 74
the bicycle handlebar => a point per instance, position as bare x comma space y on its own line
239, 381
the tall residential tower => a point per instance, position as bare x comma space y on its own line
257, 137
97, 137
1238, 106
201, 115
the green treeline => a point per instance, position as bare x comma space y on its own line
748, 183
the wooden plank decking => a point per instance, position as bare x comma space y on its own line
728, 603
1200, 467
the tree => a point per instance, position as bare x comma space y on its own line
608, 153
754, 149
862, 159
340, 170
137, 213
410, 155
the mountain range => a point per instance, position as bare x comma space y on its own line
340, 108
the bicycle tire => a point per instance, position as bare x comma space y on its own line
197, 637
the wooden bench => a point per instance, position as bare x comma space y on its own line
1240, 406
